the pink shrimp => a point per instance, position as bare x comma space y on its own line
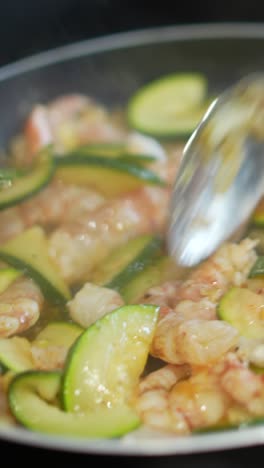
52, 206
199, 400
180, 399
197, 294
78, 247
151, 400
68, 121
196, 341
190, 333
92, 302
162, 295
243, 385
229, 265
20, 306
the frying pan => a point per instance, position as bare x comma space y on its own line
111, 69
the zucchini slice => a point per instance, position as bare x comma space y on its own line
26, 185
138, 264
109, 149
7, 276
32, 398
7, 175
170, 106
244, 309
135, 267
138, 149
105, 363
91, 151
161, 269
15, 354
125, 262
29, 252
110, 176
59, 334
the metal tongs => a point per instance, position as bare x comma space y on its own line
221, 176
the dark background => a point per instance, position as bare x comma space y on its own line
29, 26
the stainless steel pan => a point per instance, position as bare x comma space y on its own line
111, 69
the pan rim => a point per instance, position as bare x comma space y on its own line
132, 38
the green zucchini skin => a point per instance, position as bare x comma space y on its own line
121, 257
115, 151
33, 399
28, 184
161, 269
111, 176
28, 252
7, 175
48, 289
134, 267
141, 261
169, 107
122, 165
106, 361
257, 269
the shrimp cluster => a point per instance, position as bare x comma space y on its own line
81, 224
206, 379
180, 400
67, 122
189, 331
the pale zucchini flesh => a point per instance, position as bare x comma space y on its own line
32, 397
117, 151
161, 269
170, 106
140, 262
58, 333
244, 309
28, 252
111, 177
15, 354
105, 363
126, 261
7, 276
